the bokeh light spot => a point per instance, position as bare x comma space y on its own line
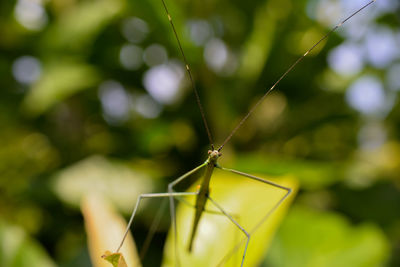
346, 59
367, 96
371, 136
164, 81
115, 101
134, 29
147, 107
393, 77
26, 69
381, 47
30, 14
216, 54
219, 58
200, 31
130, 57
155, 54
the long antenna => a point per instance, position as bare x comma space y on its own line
287, 72
203, 116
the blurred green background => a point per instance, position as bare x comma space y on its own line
94, 97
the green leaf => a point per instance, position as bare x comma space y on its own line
19, 250
261, 39
249, 202
77, 28
116, 259
310, 238
59, 81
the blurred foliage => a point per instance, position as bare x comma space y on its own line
17, 249
309, 238
92, 175
94, 100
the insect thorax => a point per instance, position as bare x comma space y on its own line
213, 156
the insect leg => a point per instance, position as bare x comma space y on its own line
207, 211
287, 189
273, 184
172, 204
153, 228
152, 195
237, 224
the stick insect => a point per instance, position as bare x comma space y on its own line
203, 194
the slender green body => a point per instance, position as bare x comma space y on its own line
202, 196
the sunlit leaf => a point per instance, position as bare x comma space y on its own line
105, 229
119, 182
249, 203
